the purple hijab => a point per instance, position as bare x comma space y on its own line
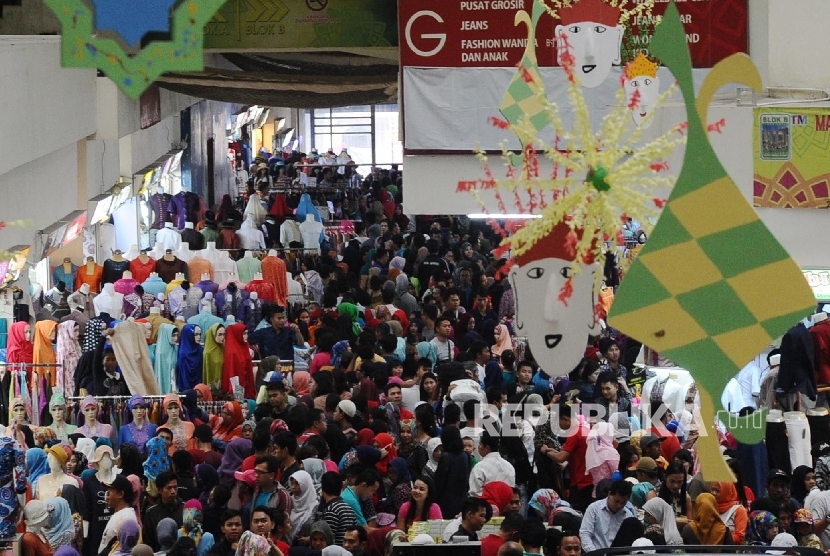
238, 449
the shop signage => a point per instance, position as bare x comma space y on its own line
791, 146
13, 266
483, 33
819, 280
303, 24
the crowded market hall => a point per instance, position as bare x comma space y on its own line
372, 278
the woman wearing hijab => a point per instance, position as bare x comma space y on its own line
168, 532
157, 460
350, 310
19, 348
434, 451
427, 350
238, 449
238, 360
304, 496
135, 481
384, 441
189, 362
803, 480
498, 494
251, 544
61, 529
400, 490
206, 478
192, 527
410, 449
68, 355
452, 478
302, 383
630, 530
707, 527
214, 357
762, 528
167, 355
732, 512
229, 423
503, 341
129, 533
658, 512
37, 466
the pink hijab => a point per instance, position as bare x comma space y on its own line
503, 341
601, 458
301, 383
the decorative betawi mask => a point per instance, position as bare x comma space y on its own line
557, 327
641, 80
592, 29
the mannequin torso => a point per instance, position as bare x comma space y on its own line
49, 485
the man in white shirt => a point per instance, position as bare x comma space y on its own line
444, 347
603, 518
119, 499
492, 466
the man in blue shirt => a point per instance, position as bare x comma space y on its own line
277, 339
364, 487
603, 518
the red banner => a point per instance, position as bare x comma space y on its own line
482, 33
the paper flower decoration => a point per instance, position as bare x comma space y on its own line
598, 179
712, 287
85, 45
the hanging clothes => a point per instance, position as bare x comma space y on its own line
91, 278
189, 362
238, 360
274, 272
114, 270
167, 354
141, 271
69, 353
44, 352
214, 357
20, 349
130, 346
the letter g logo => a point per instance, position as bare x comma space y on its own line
442, 37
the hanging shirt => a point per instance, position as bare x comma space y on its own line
264, 290
159, 204
167, 270
93, 279
126, 286
141, 271
199, 265
274, 272
114, 270
154, 285
248, 267
169, 238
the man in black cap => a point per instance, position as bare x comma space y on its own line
778, 492
651, 446
119, 498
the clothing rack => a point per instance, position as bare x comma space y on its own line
119, 398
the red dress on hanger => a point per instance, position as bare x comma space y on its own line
265, 290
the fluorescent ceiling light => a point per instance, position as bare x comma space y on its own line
496, 216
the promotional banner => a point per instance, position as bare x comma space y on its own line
298, 24
819, 281
791, 146
459, 56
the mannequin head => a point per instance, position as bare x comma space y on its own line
173, 410
58, 412
90, 409
139, 409
19, 411
103, 459
54, 464
220, 336
197, 334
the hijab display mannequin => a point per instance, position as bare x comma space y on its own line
92, 427
49, 485
91, 274
182, 430
311, 230
58, 411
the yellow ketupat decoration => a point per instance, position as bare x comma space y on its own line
706, 289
